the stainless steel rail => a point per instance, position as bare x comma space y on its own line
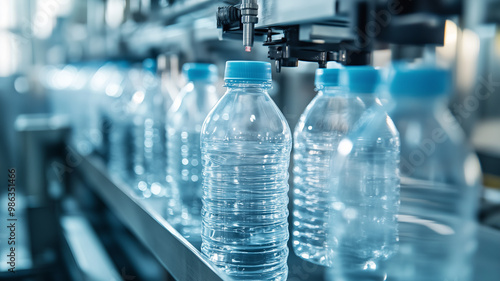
181, 259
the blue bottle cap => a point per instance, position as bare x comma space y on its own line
327, 77
359, 79
419, 82
149, 65
200, 71
254, 71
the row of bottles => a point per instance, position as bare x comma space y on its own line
346, 179
380, 191
349, 211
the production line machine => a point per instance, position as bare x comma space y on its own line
79, 222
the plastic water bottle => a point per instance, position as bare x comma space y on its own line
92, 132
440, 181
80, 108
246, 145
184, 121
326, 120
117, 123
365, 186
99, 121
147, 105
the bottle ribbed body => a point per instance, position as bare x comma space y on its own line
148, 108
246, 146
365, 188
329, 116
184, 168
118, 128
149, 159
439, 193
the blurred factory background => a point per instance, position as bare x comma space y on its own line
76, 223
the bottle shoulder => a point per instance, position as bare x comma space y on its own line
191, 105
375, 123
440, 128
434, 148
330, 114
246, 116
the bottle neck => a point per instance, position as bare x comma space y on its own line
329, 90
235, 84
368, 99
421, 104
200, 87
200, 82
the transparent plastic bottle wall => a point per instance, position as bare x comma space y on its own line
184, 121
88, 136
103, 81
364, 187
326, 120
440, 182
148, 109
117, 125
246, 144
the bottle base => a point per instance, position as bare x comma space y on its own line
315, 254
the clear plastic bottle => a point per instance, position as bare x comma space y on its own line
246, 144
440, 181
91, 130
365, 186
99, 121
326, 120
184, 121
117, 123
81, 108
147, 106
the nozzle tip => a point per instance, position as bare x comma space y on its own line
248, 49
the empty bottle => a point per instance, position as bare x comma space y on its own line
440, 181
147, 106
326, 120
365, 186
106, 76
246, 145
117, 122
184, 121
81, 108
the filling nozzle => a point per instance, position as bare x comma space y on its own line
249, 12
